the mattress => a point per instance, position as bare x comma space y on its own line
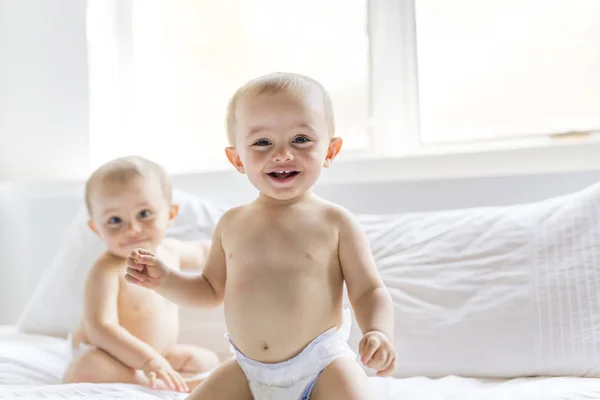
31, 367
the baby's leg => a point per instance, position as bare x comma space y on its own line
190, 361
97, 366
343, 379
227, 382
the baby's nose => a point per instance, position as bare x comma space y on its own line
283, 155
134, 227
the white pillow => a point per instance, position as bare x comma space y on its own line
494, 292
490, 292
56, 304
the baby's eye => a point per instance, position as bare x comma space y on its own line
145, 213
301, 139
114, 221
261, 143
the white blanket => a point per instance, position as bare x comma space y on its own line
31, 367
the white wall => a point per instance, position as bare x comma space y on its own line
43, 89
15, 287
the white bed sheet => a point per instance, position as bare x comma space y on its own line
31, 367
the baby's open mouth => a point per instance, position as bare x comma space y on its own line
283, 175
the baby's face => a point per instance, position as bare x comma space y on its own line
132, 214
282, 142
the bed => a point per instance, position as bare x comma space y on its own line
31, 364
31, 367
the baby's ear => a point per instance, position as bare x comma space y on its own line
335, 145
92, 226
234, 159
173, 212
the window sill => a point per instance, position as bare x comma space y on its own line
452, 162
436, 163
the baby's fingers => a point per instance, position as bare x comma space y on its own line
149, 260
137, 276
390, 368
178, 380
132, 263
155, 269
166, 378
379, 360
143, 252
368, 348
152, 378
138, 261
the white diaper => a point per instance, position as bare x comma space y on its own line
295, 378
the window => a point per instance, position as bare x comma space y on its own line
507, 68
407, 77
171, 66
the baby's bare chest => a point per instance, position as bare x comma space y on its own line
148, 316
140, 306
283, 245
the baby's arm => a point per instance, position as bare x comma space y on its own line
368, 295
370, 299
101, 319
206, 289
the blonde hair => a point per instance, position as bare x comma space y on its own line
275, 83
124, 169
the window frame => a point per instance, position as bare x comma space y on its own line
397, 151
396, 140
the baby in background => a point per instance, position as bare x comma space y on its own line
128, 334
280, 262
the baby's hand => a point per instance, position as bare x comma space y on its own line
144, 269
377, 352
159, 368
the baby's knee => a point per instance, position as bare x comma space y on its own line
342, 379
204, 360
